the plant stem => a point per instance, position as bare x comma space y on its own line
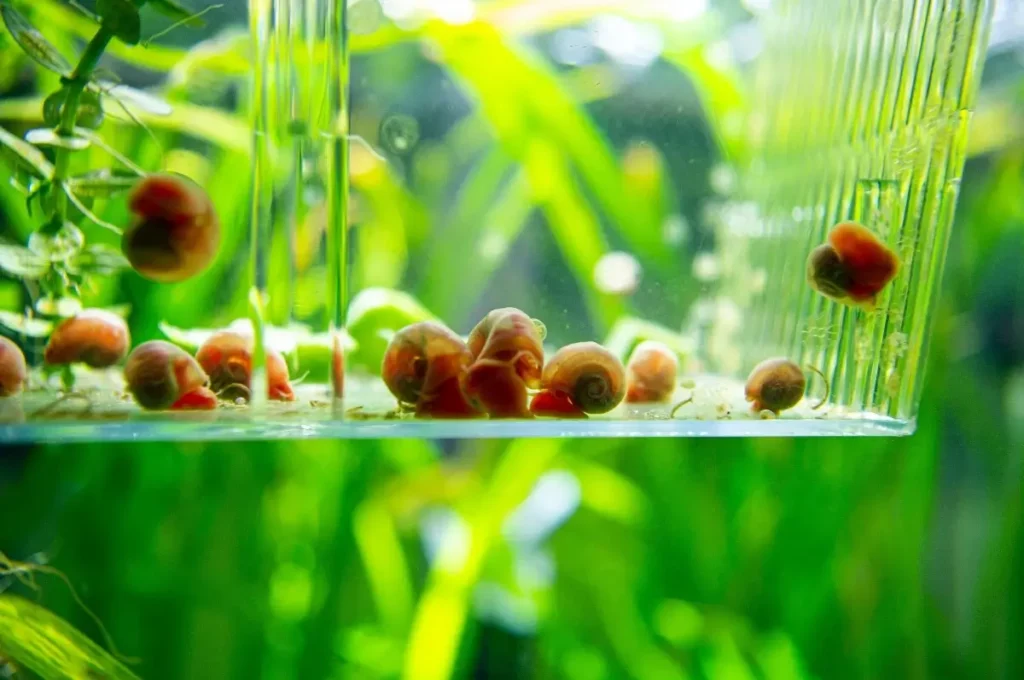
76, 85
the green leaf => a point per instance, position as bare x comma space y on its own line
22, 263
129, 96
57, 247
99, 259
31, 157
32, 41
62, 307
102, 183
171, 9
49, 137
374, 316
121, 17
50, 647
30, 327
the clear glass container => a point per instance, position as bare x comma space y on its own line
659, 174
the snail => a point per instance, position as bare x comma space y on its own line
508, 360
579, 379
175, 233
163, 376
651, 373
13, 370
94, 337
854, 266
226, 356
778, 384
423, 366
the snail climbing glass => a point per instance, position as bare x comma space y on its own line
495, 218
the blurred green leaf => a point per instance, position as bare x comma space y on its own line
33, 42
121, 17
171, 9
20, 262
50, 647
31, 157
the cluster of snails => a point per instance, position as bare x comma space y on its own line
158, 374
500, 371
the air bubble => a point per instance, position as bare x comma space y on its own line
399, 133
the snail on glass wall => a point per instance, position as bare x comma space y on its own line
778, 384
175, 232
579, 379
423, 367
13, 370
853, 267
226, 356
163, 376
507, 361
94, 337
651, 373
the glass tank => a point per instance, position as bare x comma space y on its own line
448, 218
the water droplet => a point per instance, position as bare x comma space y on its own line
399, 133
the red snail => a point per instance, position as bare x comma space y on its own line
94, 337
163, 376
508, 358
579, 379
423, 366
12, 368
651, 373
779, 384
226, 356
854, 266
175, 233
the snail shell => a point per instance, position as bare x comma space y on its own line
13, 370
510, 335
775, 385
590, 376
423, 366
94, 337
651, 373
175, 233
226, 356
164, 376
854, 265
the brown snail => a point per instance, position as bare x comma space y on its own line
423, 367
779, 384
854, 266
94, 337
226, 356
163, 376
651, 373
508, 360
175, 233
579, 379
13, 370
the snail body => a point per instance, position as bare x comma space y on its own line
423, 367
163, 376
579, 379
175, 232
94, 337
854, 266
775, 385
507, 361
227, 358
651, 373
13, 371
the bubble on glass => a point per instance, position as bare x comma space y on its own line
722, 179
706, 267
675, 230
364, 16
627, 42
617, 273
572, 47
399, 133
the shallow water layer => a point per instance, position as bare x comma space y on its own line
717, 409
